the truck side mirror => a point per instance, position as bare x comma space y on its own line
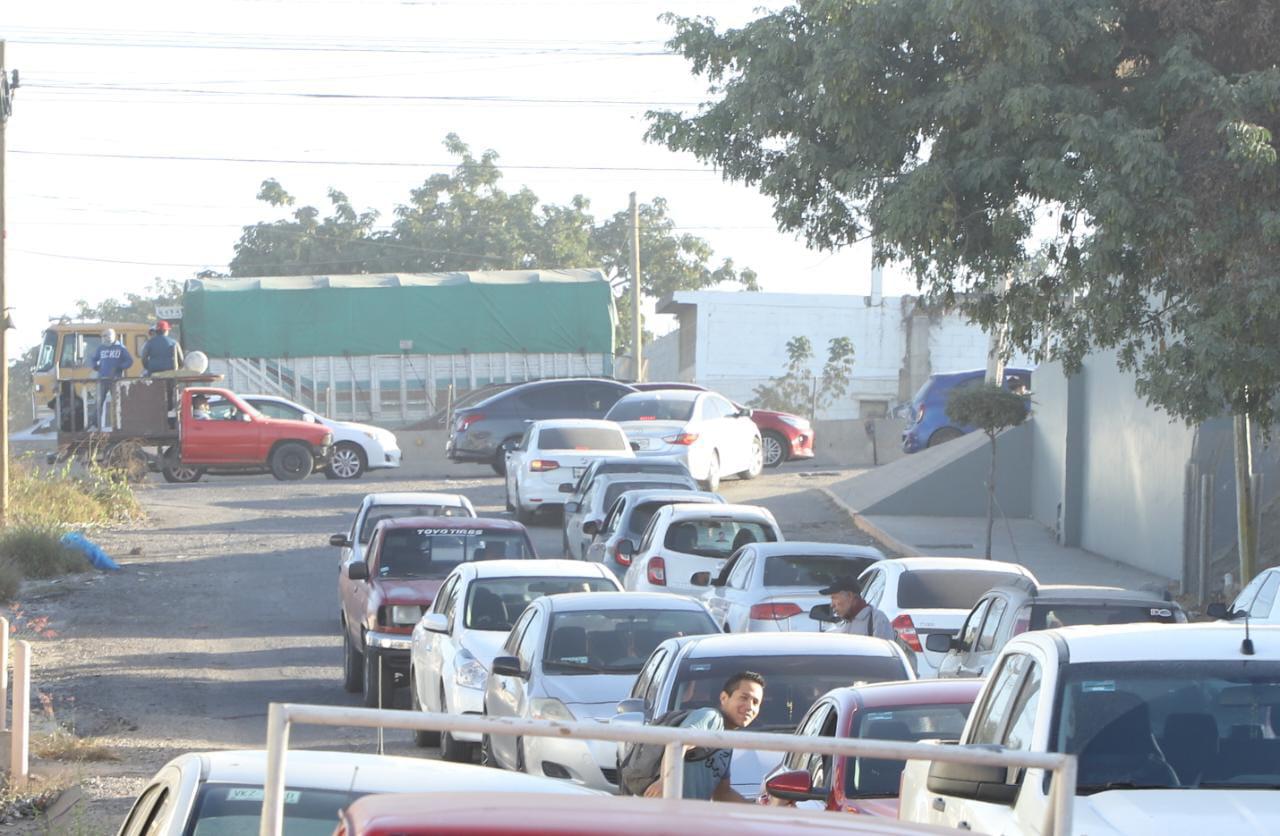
358, 571
976, 783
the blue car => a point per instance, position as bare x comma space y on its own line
929, 425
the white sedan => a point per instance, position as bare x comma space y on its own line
356, 447
221, 792
1258, 599
376, 507
454, 644
770, 587
708, 432
552, 453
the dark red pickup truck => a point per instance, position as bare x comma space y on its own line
386, 594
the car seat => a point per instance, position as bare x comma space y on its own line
743, 537
683, 538
487, 611
1190, 742
880, 776
1115, 743
568, 643
606, 647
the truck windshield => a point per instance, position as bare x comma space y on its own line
44, 361
1194, 724
378, 513
435, 552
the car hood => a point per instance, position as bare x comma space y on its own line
1178, 811
594, 696
408, 590
484, 645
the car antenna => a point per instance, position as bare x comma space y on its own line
1246, 646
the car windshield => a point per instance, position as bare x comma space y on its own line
1137, 724
717, 538
653, 408
615, 641
378, 513
616, 489
879, 777
811, 569
496, 603
1048, 616
793, 683
582, 438
435, 552
44, 361
227, 809
943, 589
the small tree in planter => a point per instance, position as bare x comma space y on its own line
992, 409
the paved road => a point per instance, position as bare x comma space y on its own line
232, 604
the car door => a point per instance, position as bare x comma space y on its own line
502, 696
356, 595
515, 464
738, 594
979, 660
573, 520
957, 659
608, 528
437, 659
153, 813
717, 597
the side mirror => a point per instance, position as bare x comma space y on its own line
625, 548
572, 507
822, 613
339, 540
976, 783
435, 622
508, 666
1218, 610
566, 487
939, 642
358, 571
631, 705
591, 527
310, 419
796, 785
700, 579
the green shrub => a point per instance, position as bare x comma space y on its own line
39, 553
59, 498
10, 580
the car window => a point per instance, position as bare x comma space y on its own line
716, 537
658, 406
495, 603
433, 552
741, 573
719, 407
873, 587
969, 635
378, 513
143, 815
1262, 604
811, 569
646, 540
1022, 718
549, 400
610, 524
615, 641
998, 705
517, 633
524, 439
646, 673
823, 722
442, 601
222, 808
655, 685
879, 777
641, 515
273, 409
1045, 616
987, 640
810, 726
582, 438
530, 640
946, 589
613, 490
600, 397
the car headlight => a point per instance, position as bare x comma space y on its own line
405, 615
550, 708
798, 423
471, 674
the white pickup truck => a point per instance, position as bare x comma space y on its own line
1176, 728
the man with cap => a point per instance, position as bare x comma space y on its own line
858, 617
110, 361
162, 352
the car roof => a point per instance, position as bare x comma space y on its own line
1150, 642
796, 547
413, 498
528, 385
783, 644
610, 461
570, 423
640, 495
1063, 593
930, 564
665, 394
651, 387
915, 692
699, 509
623, 475
578, 601
533, 569
483, 523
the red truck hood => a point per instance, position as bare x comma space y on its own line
407, 590
312, 433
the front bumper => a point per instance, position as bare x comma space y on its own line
592, 763
321, 453
910, 441
801, 446
465, 701
382, 454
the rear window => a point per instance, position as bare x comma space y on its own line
496, 603
435, 552
224, 809
615, 641
616, 489
922, 589
715, 538
378, 513
811, 570
655, 408
1049, 616
879, 777
581, 438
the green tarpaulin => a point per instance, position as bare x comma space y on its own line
536, 311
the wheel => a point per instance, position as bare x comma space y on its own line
174, 470
291, 461
944, 435
371, 689
420, 738
525, 516
352, 665
486, 752
347, 462
450, 749
712, 482
128, 458
775, 448
757, 461
499, 463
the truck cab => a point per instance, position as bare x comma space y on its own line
66, 355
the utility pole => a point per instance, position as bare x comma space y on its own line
6, 107
637, 350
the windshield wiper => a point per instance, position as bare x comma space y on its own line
574, 667
1242, 785
1089, 789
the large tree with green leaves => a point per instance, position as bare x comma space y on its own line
1130, 143
465, 220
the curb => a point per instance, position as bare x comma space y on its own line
869, 528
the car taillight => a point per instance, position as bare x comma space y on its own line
543, 465
465, 421
623, 559
656, 571
683, 439
774, 612
906, 630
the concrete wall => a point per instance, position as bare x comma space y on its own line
662, 357
1048, 445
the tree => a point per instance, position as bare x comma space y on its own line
992, 409
464, 220
799, 390
1130, 143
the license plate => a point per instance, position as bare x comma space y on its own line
578, 471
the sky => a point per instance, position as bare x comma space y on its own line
142, 131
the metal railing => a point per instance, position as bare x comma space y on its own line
281, 716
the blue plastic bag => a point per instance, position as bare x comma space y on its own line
91, 550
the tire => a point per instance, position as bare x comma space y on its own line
174, 471
370, 683
775, 448
352, 665
291, 461
499, 463
757, 461
523, 515
486, 753
944, 435
450, 749
128, 458
712, 482
420, 738
347, 462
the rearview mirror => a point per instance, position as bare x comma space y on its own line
630, 706
508, 666
339, 540
435, 622
822, 612
566, 487
938, 642
700, 579
590, 527
796, 785
358, 570
976, 783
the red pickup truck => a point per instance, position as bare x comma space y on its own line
387, 593
225, 434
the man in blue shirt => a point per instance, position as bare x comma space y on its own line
161, 353
110, 361
708, 778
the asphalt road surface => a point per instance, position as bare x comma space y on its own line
227, 601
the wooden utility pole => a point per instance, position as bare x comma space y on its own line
1246, 522
637, 350
6, 107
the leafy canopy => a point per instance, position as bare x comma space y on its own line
1128, 143
798, 389
989, 407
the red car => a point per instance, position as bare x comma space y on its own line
386, 594
925, 709
785, 436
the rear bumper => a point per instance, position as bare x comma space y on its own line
911, 441
470, 447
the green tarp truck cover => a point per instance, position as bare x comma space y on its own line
536, 311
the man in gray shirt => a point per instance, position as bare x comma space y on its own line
858, 617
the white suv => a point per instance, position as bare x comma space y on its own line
685, 539
554, 452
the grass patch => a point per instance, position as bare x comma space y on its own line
38, 553
64, 745
66, 497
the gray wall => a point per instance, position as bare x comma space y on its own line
1048, 444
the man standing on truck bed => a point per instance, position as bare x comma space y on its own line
109, 361
161, 353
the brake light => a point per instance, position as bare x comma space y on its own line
683, 439
465, 421
543, 465
623, 559
774, 612
656, 571
906, 630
